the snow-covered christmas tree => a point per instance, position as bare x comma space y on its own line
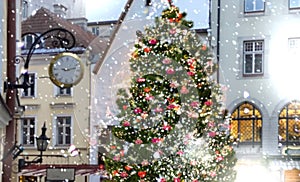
173, 126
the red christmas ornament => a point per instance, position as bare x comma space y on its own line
101, 167
115, 172
147, 49
126, 123
147, 89
152, 41
128, 168
142, 174
138, 110
208, 103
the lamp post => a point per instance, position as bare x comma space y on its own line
42, 142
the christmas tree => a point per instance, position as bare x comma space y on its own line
173, 125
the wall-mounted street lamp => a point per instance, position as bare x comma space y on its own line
42, 143
56, 38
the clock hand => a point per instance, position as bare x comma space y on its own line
68, 69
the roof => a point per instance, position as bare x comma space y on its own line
116, 30
97, 23
45, 20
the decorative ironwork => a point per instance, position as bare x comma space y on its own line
60, 38
56, 38
18, 59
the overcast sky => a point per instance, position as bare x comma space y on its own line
102, 10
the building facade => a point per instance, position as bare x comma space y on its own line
102, 29
257, 46
64, 8
64, 111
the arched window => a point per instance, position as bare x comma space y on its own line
289, 124
246, 124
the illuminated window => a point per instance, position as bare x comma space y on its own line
294, 4
28, 179
253, 58
246, 124
28, 131
289, 124
254, 5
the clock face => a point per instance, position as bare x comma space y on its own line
66, 70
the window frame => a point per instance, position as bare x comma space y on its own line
254, 10
63, 92
28, 44
56, 135
31, 92
29, 137
96, 30
289, 119
294, 7
253, 54
256, 129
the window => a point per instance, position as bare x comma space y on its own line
289, 124
253, 58
24, 9
28, 131
30, 92
294, 4
96, 30
254, 5
28, 178
148, 3
63, 91
294, 44
246, 124
29, 39
63, 130
294, 47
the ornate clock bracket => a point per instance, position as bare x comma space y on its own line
59, 38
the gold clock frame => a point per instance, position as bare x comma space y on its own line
51, 74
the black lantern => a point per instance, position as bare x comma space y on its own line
43, 140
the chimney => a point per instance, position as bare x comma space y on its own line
60, 10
